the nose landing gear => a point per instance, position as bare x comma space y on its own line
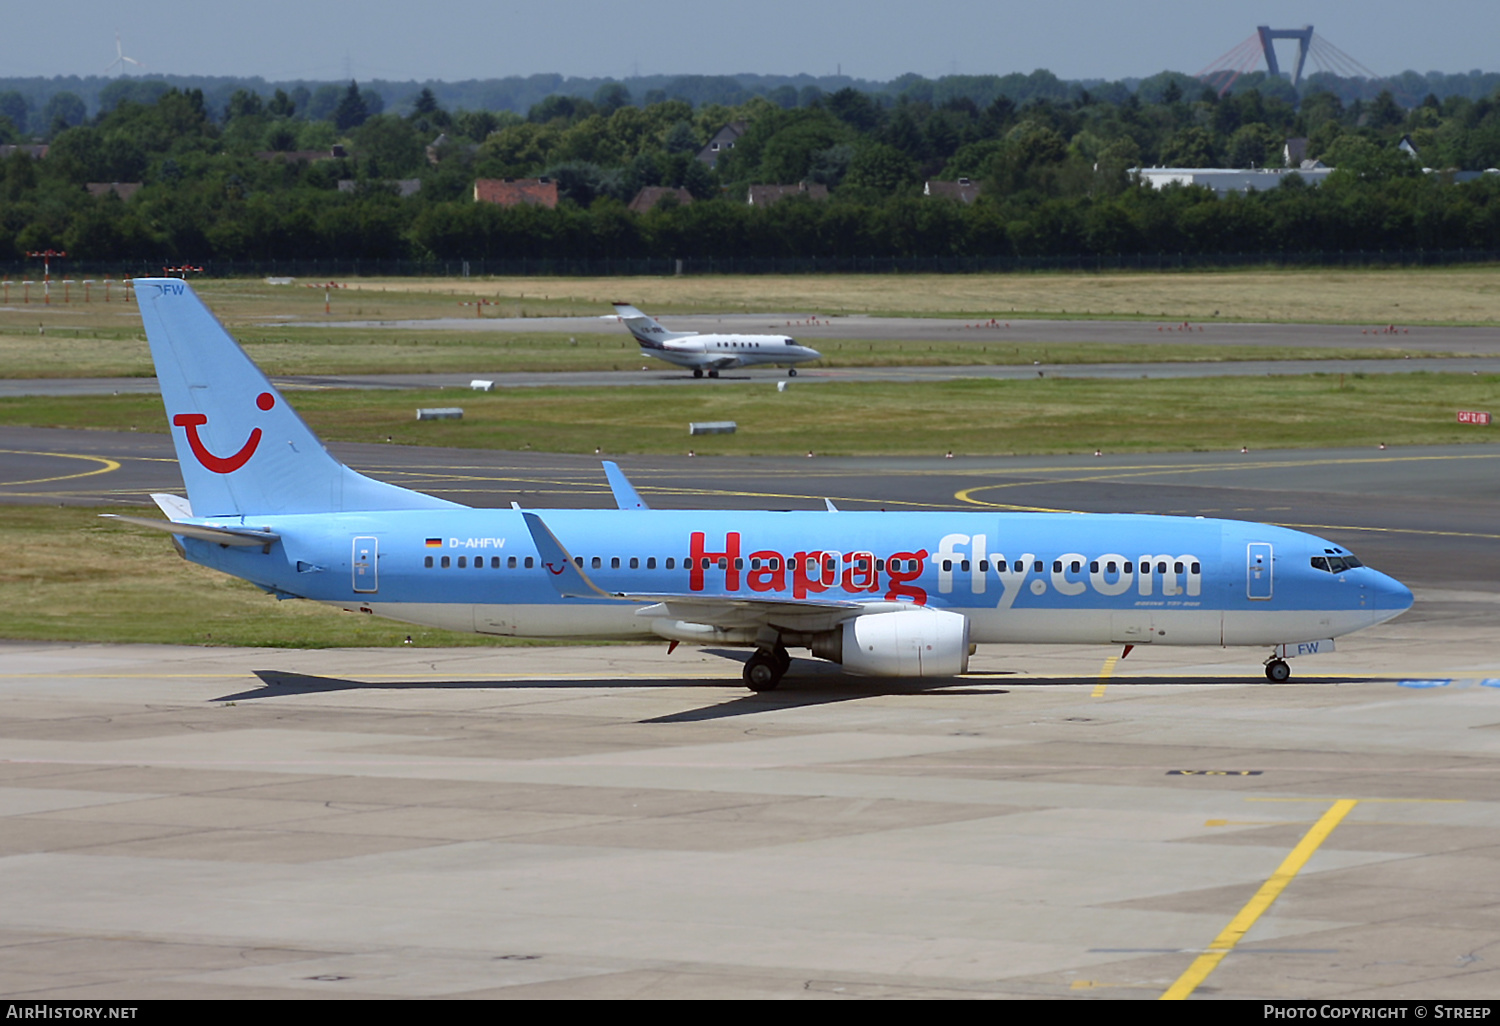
1277, 671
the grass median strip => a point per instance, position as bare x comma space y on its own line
70, 576
967, 417
1444, 295
74, 352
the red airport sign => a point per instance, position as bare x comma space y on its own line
1473, 417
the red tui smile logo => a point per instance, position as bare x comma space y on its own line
222, 464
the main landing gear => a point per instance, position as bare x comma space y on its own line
1277, 671
697, 372
764, 669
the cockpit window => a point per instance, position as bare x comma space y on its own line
791, 341
1335, 564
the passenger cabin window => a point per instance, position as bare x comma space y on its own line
427, 562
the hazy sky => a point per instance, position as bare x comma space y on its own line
871, 39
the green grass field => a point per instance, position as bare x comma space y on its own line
71, 576
1406, 296
861, 418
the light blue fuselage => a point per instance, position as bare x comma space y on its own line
1017, 577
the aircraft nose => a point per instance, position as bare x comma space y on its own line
1389, 593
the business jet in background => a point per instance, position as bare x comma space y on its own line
901, 594
713, 353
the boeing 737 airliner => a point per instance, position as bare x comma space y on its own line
884, 594
713, 353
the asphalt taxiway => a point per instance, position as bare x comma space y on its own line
1425, 514
615, 821
996, 330
663, 375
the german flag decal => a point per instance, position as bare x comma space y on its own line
434, 543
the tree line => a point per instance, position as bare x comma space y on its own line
1054, 174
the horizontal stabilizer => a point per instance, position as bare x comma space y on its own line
203, 532
174, 506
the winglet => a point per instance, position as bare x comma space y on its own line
829, 504
626, 496
566, 576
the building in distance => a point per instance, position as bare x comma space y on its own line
722, 142
765, 195
652, 195
514, 192
1228, 179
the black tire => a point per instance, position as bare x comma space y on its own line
783, 659
713, 374
1278, 672
762, 672
791, 372
697, 372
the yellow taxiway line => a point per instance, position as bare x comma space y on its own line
1269, 891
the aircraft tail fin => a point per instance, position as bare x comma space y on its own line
649, 333
241, 447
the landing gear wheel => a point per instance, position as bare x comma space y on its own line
783, 659
1277, 671
697, 372
762, 672
791, 372
713, 374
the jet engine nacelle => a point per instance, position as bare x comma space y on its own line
910, 643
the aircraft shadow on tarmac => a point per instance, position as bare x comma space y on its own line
811, 684
816, 688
